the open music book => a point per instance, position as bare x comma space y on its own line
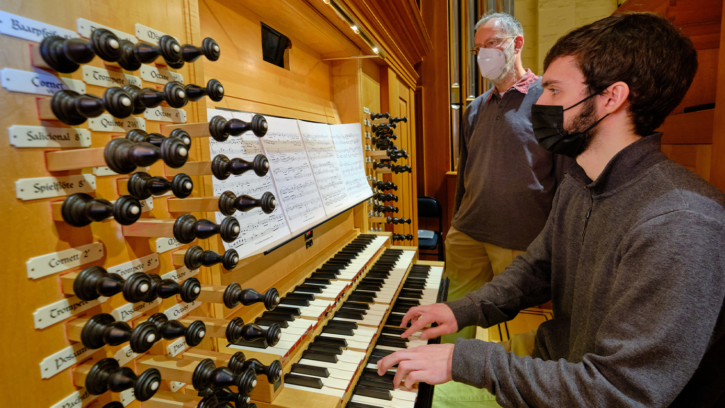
316, 172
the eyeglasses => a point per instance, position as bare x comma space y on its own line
490, 43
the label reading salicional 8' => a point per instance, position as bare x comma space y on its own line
42, 136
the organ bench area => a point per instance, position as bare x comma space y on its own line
210, 203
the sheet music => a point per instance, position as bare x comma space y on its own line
292, 174
348, 144
325, 167
258, 229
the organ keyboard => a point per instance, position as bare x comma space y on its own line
339, 320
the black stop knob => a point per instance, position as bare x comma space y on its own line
222, 167
385, 197
138, 135
272, 371
221, 128
207, 374
187, 229
173, 329
66, 55
94, 282
81, 209
209, 49
374, 116
385, 185
196, 257
236, 362
166, 288
143, 186
402, 169
383, 126
238, 331
103, 329
214, 90
168, 48
72, 108
128, 60
123, 155
174, 94
107, 375
229, 203
225, 395
385, 208
404, 119
398, 237
397, 221
234, 294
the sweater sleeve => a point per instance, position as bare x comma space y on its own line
525, 283
666, 298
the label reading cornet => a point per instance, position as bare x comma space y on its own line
63, 309
78, 399
25, 28
55, 262
107, 123
45, 187
38, 83
160, 75
143, 264
107, 78
42, 136
164, 114
131, 310
63, 359
86, 27
167, 244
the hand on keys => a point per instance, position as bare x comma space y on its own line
422, 316
430, 364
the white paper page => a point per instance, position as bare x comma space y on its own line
350, 156
258, 230
292, 174
325, 167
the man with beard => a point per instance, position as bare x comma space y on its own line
506, 181
631, 257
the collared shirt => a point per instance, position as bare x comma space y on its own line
506, 180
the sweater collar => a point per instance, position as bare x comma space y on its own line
625, 168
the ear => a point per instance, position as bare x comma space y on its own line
518, 43
617, 95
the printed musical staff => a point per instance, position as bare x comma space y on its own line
348, 144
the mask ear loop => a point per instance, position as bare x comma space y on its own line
582, 101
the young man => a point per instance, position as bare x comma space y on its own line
506, 181
632, 255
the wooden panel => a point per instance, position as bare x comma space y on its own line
717, 172
688, 128
701, 91
695, 157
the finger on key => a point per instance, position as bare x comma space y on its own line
405, 367
423, 321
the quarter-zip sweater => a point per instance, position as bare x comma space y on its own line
635, 263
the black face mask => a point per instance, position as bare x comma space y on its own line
548, 122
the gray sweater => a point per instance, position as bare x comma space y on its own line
506, 180
640, 282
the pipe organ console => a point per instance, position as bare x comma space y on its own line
226, 244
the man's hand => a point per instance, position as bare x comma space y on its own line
430, 364
422, 316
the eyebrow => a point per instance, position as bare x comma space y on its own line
550, 82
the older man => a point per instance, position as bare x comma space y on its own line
506, 181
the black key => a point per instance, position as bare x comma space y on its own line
342, 324
344, 256
319, 356
325, 348
331, 340
374, 384
313, 281
400, 309
381, 352
361, 298
331, 268
359, 405
308, 289
310, 370
338, 330
411, 294
304, 296
343, 314
260, 344
304, 381
355, 305
268, 322
369, 287
296, 302
395, 331
372, 392
323, 275
372, 374
277, 317
294, 311
392, 342
365, 293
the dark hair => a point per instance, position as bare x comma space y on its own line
643, 50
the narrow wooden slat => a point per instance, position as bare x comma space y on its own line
195, 168
150, 228
194, 129
171, 369
193, 204
75, 159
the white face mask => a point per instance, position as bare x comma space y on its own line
491, 61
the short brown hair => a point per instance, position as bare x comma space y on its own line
643, 50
